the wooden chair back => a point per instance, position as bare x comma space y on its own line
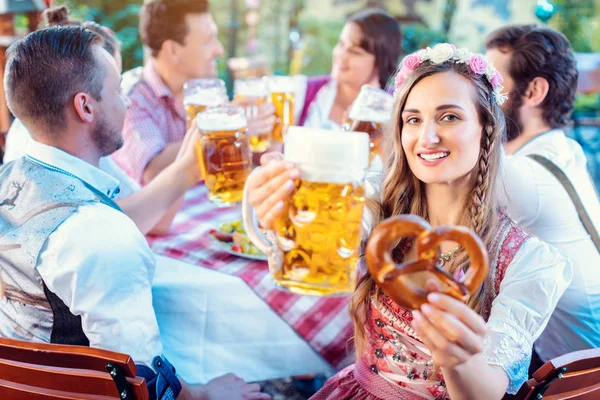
572, 376
41, 371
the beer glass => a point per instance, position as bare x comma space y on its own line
225, 153
199, 94
370, 112
282, 90
255, 92
315, 246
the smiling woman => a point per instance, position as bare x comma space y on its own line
447, 127
366, 54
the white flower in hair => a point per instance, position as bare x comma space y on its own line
490, 71
424, 53
463, 55
441, 52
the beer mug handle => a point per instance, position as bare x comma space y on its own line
251, 225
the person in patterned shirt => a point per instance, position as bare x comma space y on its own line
181, 37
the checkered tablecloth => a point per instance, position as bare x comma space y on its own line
323, 322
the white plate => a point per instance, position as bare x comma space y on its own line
226, 247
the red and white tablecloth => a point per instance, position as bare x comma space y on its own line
323, 322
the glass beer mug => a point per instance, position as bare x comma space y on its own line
200, 94
369, 113
255, 92
282, 90
224, 152
316, 240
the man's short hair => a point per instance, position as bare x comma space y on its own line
46, 69
162, 20
540, 52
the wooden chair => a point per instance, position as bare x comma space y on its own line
572, 376
47, 371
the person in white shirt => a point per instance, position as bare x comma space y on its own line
540, 75
74, 269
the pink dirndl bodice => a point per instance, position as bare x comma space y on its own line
396, 364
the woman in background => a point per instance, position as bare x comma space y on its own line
367, 53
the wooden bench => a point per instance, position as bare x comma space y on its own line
572, 376
40, 371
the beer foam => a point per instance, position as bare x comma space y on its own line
206, 97
220, 121
332, 174
251, 88
281, 84
327, 156
370, 115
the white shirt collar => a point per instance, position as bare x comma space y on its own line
95, 177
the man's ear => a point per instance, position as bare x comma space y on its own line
84, 107
169, 50
536, 92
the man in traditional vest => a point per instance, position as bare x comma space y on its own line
74, 269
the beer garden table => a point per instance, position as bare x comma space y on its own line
220, 313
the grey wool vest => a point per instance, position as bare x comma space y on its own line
35, 199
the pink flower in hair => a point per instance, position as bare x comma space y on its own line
497, 79
410, 63
478, 64
400, 78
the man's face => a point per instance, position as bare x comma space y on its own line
107, 133
512, 106
201, 47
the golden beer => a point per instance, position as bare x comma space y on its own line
375, 131
225, 153
319, 236
200, 94
369, 113
282, 96
254, 93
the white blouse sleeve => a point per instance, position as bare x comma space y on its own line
300, 84
534, 282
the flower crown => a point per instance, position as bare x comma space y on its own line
443, 52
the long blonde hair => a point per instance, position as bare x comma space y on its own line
403, 193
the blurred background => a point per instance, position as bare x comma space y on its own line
297, 36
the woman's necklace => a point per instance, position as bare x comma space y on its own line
445, 257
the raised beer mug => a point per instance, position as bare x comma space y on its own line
254, 92
370, 112
225, 153
315, 247
282, 90
200, 94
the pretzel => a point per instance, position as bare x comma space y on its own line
394, 280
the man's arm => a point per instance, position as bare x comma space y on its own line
154, 207
161, 161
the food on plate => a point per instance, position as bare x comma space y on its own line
233, 232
